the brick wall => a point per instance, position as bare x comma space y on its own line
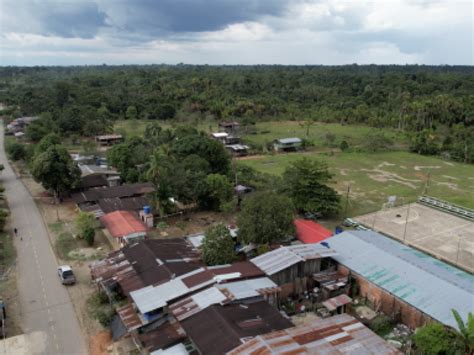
387, 303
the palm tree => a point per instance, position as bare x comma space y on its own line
465, 332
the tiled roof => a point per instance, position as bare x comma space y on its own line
122, 223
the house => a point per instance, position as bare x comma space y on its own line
292, 267
109, 139
229, 126
310, 232
341, 334
128, 197
403, 282
147, 262
287, 144
220, 136
219, 329
124, 227
238, 149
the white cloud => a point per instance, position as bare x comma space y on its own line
307, 32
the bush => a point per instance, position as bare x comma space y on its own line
3, 219
16, 151
89, 236
344, 146
382, 325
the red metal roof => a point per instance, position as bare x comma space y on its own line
122, 223
311, 232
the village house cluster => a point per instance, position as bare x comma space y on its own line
172, 303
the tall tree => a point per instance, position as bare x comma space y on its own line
218, 246
305, 181
55, 170
266, 217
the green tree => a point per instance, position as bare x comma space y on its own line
218, 246
425, 142
132, 113
305, 182
266, 217
55, 170
217, 190
16, 151
89, 236
46, 142
433, 339
465, 333
84, 222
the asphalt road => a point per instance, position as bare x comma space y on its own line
47, 314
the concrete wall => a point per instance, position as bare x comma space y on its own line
387, 303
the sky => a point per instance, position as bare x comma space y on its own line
328, 32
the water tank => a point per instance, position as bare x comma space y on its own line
147, 209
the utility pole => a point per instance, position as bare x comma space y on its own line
427, 184
406, 223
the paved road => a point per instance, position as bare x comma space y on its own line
48, 316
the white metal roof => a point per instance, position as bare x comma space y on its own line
428, 284
220, 134
276, 260
289, 140
196, 239
178, 349
248, 288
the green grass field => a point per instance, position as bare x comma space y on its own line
375, 176
354, 135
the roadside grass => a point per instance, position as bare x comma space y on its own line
266, 132
65, 244
7, 250
373, 177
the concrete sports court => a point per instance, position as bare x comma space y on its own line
438, 233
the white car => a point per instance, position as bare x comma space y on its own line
66, 275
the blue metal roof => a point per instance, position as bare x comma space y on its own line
420, 280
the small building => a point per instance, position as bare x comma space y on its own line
287, 144
238, 149
229, 126
310, 231
341, 334
292, 267
124, 227
109, 139
220, 136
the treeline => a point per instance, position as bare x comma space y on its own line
435, 104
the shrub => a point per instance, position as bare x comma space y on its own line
16, 151
89, 236
344, 145
382, 325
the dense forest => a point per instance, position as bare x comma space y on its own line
435, 105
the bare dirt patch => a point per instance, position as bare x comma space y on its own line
450, 185
385, 176
421, 167
100, 342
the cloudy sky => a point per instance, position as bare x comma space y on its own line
63, 32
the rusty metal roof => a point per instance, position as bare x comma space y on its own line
129, 317
198, 302
341, 334
333, 303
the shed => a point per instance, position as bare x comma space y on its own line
310, 231
124, 226
287, 144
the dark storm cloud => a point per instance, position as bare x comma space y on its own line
176, 16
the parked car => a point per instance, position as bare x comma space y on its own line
66, 275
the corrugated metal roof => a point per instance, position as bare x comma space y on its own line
426, 283
338, 301
197, 302
178, 349
311, 251
311, 232
289, 140
341, 334
276, 260
249, 288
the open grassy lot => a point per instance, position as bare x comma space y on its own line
265, 132
373, 177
